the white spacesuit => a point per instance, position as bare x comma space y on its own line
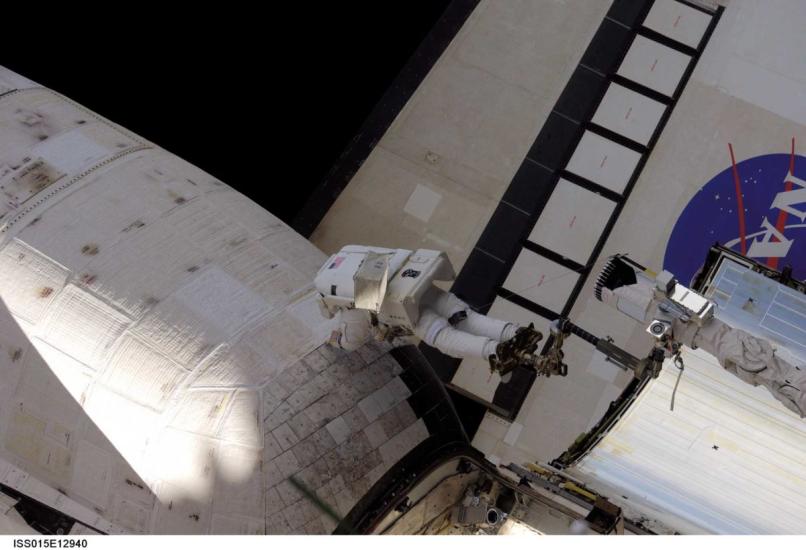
390, 294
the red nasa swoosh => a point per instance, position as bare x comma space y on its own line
740, 201
780, 224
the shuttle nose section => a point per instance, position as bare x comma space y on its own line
170, 376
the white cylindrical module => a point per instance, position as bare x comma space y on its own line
152, 305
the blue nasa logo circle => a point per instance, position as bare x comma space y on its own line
774, 232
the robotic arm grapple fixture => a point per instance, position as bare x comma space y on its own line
676, 315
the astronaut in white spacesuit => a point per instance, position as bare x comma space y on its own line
389, 294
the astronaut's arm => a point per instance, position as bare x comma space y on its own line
350, 329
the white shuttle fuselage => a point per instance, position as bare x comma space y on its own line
154, 325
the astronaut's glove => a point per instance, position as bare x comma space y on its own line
335, 338
457, 318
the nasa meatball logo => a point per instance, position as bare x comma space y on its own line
756, 207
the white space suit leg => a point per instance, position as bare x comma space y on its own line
482, 325
435, 331
446, 304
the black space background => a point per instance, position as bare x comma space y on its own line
264, 99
